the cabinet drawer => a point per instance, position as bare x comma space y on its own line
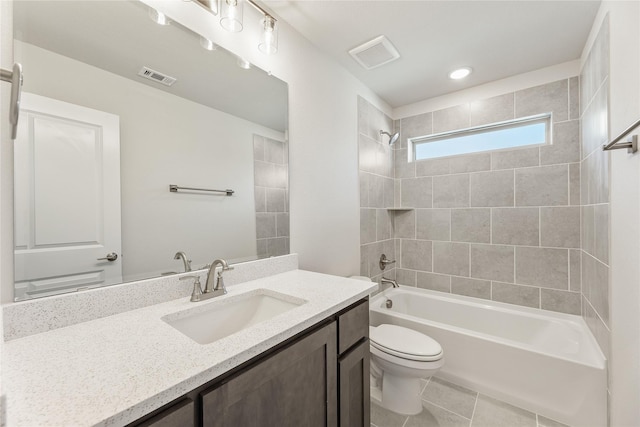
353, 325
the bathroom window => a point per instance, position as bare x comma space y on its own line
524, 132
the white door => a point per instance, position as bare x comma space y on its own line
67, 198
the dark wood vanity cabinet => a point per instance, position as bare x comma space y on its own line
318, 378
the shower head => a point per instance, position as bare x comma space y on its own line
392, 138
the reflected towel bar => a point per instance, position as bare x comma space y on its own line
631, 146
175, 188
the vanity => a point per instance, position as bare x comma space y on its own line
307, 365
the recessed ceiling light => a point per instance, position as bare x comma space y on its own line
460, 73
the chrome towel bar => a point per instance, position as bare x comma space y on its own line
174, 189
631, 146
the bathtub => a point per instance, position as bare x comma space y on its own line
542, 361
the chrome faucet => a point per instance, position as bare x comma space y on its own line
187, 262
393, 283
218, 288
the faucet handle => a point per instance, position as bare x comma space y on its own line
196, 294
384, 261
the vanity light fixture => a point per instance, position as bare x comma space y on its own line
158, 17
269, 38
231, 15
460, 73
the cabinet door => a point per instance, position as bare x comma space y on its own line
353, 370
179, 415
295, 387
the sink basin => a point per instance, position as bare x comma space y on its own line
216, 320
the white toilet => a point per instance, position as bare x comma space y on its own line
400, 358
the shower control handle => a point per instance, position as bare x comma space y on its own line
384, 261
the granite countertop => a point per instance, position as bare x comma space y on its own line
114, 370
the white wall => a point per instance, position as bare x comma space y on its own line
324, 197
624, 109
164, 139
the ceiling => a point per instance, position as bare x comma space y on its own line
497, 39
119, 37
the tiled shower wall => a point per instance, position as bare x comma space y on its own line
271, 161
594, 93
504, 225
376, 191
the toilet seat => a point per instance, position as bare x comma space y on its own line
404, 343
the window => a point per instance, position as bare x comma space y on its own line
524, 132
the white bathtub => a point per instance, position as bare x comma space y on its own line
546, 362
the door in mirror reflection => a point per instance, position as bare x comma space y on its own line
67, 198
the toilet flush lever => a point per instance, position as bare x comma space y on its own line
384, 261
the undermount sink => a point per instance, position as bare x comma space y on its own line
216, 320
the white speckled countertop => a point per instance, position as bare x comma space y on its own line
114, 370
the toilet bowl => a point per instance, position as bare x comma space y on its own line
400, 358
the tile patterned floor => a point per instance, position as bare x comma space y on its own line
449, 405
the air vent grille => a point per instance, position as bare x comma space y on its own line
375, 53
156, 76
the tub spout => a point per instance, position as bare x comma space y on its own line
393, 283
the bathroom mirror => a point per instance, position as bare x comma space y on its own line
117, 108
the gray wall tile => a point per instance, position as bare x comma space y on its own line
364, 189
414, 126
528, 296
434, 282
595, 285
471, 287
492, 188
470, 163
542, 186
588, 229
517, 158
471, 225
405, 224
562, 301
452, 118
416, 255
544, 267
575, 270
405, 277
451, 258
566, 144
432, 167
492, 110
376, 191
282, 224
560, 227
383, 224
416, 192
492, 262
451, 191
367, 225
550, 97
367, 149
433, 224
402, 168
595, 131
574, 184
275, 200
574, 98
388, 192
265, 225
601, 222
515, 226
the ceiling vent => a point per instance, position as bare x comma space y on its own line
156, 76
375, 53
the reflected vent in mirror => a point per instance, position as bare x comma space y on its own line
156, 76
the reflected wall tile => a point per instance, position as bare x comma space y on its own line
492, 110
265, 225
544, 267
275, 200
560, 227
416, 255
471, 225
550, 97
274, 151
451, 258
433, 224
452, 118
527, 296
282, 224
492, 262
434, 282
261, 199
566, 144
492, 188
515, 226
258, 147
517, 158
471, 287
451, 191
264, 173
542, 186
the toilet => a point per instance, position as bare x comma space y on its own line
400, 358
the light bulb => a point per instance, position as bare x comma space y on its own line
231, 15
460, 73
269, 37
